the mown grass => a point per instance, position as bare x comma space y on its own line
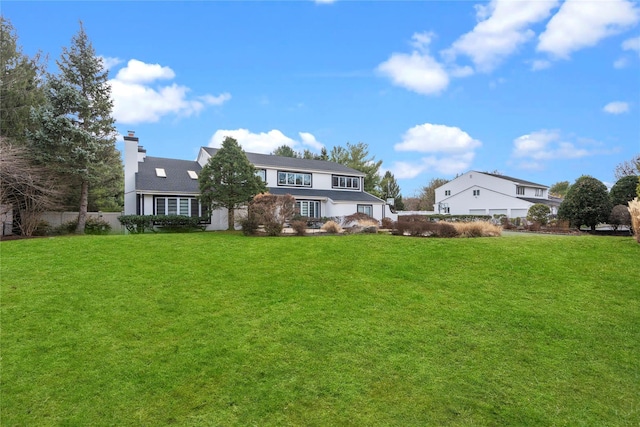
221, 329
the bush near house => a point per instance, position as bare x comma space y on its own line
95, 226
137, 224
539, 213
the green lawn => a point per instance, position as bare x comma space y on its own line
221, 329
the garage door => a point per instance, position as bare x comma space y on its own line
498, 212
518, 213
477, 211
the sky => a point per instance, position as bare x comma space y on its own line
545, 91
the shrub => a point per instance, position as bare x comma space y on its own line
357, 218
273, 228
137, 224
249, 225
620, 215
331, 227
445, 229
299, 226
539, 213
177, 223
96, 226
272, 211
478, 229
387, 223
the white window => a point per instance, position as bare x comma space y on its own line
366, 209
294, 179
539, 192
350, 182
187, 206
447, 192
476, 192
262, 173
308, 208
520, 190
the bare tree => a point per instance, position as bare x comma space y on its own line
27, 188
628, 168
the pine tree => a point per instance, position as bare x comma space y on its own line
229, 180
77, 133
356, 156
20, 85
391, 189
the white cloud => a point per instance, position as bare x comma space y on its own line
540, 64
137, 100
445, 165
264, 142
430, 138
535, 149
418, 71
310, 141
452, 150
620, 63
502, 28
110, 62
580, 24
632, 44
616, 107
140, 72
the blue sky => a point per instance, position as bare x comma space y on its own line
541, 90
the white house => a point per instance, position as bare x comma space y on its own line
482, 193
161, 186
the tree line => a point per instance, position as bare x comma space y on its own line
57, 133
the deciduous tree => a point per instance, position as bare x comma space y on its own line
76, 133
630, 167
229, 180
29, 189
559, 189
587, 203
428, 194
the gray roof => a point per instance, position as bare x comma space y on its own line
518, 180
549, 202
177, 179
290, 163
337, 195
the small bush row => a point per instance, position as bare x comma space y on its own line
137, 224
446, 229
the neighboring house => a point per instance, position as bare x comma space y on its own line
160, 186
482, 193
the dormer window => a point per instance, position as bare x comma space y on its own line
160, 173
192, 174
520, 190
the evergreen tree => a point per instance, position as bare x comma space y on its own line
20, 85
356, 156
624, 190
285, 151
229, 180
77, 133
587, 203
390, 189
